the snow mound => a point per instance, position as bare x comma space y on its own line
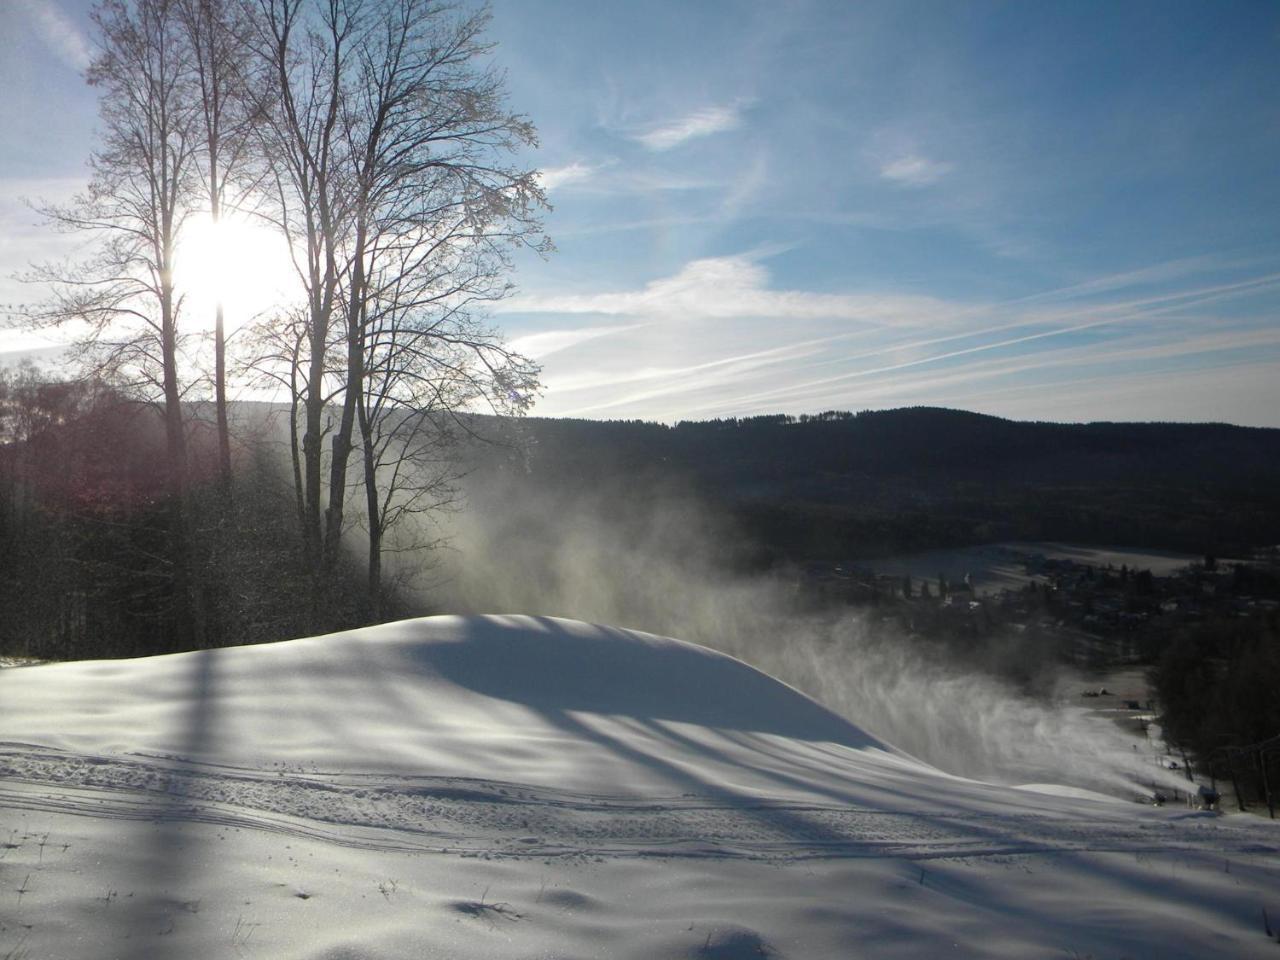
504, 787
551, 664
529, 699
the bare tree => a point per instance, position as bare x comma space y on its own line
425, 132
121, 300
436, 210
419, 376
410, 474
401, 211
303, 54
279, 365
382, 148
214, 32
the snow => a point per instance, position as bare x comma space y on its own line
532, 787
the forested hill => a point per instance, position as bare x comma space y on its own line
840, 485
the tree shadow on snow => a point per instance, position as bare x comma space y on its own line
608, 671
171, 853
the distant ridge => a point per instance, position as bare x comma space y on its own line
840, 484
844, 485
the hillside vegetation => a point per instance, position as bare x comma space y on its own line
85, 516
841, 485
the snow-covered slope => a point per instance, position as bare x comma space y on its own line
529, 787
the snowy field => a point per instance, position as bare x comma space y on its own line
514, 787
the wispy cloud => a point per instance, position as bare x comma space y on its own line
576, 172
746, 188
733, 287
914, 170
664, 382
609, 177
1051, 379
24, 236
27, 342
1241, 393
789, 393
715, 339
699, 123
58, 31
1154, 274
544, 344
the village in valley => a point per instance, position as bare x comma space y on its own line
1164, 654
1093, 614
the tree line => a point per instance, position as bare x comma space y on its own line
86, 554
374, 139
1219, 689
839, 486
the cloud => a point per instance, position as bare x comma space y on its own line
59, 32
609, 178
1159, 273
714, 338
618, 225
1241, 394
736, 287
1034, 375
666, 382
913, 170
1139, 334
26, 342
789, 392
26, 238
699, 123
544, 344
744, 190
554, 177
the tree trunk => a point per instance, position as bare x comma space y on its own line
220, 401
1266, 784
294, 455
314, 410
1235, 780
375, 516
205, 31
220, 350
353, 398
189, 620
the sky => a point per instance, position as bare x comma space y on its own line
1052, 211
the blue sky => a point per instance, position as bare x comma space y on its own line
1061, 211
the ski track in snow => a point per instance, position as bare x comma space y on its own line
493, 819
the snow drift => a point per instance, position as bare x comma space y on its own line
516, 786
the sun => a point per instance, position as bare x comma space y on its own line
235, 261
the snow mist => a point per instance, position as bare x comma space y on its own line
660, 563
